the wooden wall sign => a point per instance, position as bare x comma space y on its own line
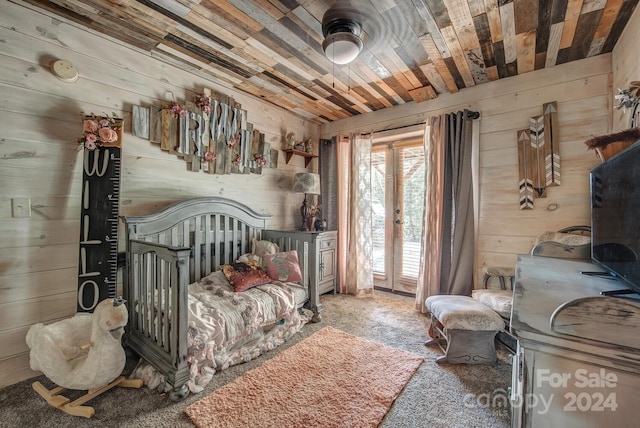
211, 133
538, 156
98, 252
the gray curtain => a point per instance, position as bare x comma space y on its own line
458, 226
447, 250
329, 182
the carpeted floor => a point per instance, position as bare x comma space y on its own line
436, 396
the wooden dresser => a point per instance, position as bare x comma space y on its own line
321, 248
578, 357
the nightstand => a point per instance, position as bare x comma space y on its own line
322, 250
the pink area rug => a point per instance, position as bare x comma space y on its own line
330, 379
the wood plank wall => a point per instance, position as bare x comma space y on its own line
626, 66
583, 92
40, 122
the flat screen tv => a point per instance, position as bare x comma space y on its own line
615, 216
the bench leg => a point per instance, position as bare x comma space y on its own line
471, 346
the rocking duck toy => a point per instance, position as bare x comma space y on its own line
82, 352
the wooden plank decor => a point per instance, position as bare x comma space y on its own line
552, 143
169, 137
525, 184
155, 124
98, 251
536, 134
140, 126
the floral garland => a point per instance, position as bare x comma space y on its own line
99, 130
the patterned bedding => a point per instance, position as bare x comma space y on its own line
227, 328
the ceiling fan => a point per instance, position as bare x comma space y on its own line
360, 29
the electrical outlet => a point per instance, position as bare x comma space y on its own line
20, 207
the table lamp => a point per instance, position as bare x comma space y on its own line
309, 184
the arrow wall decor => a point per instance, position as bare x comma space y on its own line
525, 183
536, 133
538, 156
551, 152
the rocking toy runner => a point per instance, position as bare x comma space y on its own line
83, 352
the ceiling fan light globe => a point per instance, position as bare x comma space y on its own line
342, 48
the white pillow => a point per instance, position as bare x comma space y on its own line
260, 248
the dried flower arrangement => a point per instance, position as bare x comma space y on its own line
98, 130
608, 145
628, 98
177, 110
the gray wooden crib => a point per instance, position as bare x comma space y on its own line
168, 250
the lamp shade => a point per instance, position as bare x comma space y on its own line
342, 48
306, 182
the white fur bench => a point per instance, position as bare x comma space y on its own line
467, 326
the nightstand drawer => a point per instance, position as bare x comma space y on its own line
326, 244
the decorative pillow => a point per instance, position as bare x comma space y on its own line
283, 266
260, 248
243, 276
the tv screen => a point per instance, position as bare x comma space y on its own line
615, 216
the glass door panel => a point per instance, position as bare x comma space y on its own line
397, 205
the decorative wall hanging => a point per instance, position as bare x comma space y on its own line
538, 156
210, 133
98, 253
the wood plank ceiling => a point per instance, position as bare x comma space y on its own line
414, 49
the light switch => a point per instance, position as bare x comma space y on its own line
20, 207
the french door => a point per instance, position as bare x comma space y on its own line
397, 177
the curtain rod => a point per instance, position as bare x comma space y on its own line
471, 114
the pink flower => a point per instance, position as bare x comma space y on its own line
210, 156
108, 135
90, 145
104, 123
237, 159
261, 160
233, 141
203, 102
178, 110
90, 138
90, 125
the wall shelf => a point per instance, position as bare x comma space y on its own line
307, 156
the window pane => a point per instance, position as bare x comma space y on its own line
378, 174
412, 187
